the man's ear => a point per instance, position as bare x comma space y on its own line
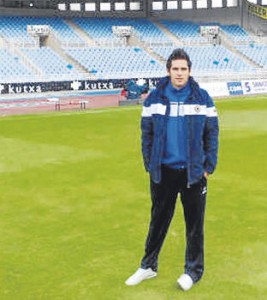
168, 72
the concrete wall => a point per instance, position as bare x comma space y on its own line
252, 22
235, 15
221, 15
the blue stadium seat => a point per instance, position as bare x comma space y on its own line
116, 62
12, 67
236, 33
209, 58
50, 63
254, 52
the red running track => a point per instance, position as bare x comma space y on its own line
41, 105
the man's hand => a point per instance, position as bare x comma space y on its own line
206, 175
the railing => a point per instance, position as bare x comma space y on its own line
246, 40
45, 78
155, 43
226, 75
74, 44
186, 41
22, 43
204, 75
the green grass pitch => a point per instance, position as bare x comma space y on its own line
74, 207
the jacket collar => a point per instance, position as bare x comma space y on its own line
195, 90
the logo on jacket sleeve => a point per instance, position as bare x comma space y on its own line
197, 109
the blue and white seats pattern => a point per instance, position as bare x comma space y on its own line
256, 53
120, 62
209, 58
11, 66
106, 62
236, 33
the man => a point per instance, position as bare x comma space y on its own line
179, 127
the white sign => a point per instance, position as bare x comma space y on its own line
215, 89
122, 30
38, 30
254, 86
209, 30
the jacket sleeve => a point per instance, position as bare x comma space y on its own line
210, 138
146, 133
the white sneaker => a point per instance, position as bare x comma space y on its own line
185, 282
140, 275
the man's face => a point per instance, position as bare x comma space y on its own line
179, 73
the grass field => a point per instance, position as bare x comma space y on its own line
74, 207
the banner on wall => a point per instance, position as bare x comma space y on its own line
235, 88
75, 85
258, 10
57, 86
258, 86
215, 89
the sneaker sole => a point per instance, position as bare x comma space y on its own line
151, 276
146, 278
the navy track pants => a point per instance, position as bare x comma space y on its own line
163, 197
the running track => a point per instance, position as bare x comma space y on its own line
43, 104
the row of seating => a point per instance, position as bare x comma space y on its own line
210, 58
184, 30
256, 53
101, 28
97, 28
50, 63
111, 61
236, 34
120, 61
16, 28
10, 65
102, 62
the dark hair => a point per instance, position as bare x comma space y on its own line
178, 54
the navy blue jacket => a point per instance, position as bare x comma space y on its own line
201, 129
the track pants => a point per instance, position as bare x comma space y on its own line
163, 197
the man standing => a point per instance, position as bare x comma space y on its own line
179, 127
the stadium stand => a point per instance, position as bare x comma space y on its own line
12, 66
211, 59
116, 62
15, 28
86, 47
50, 64
186, 31
236, 34
100, 30
254, 52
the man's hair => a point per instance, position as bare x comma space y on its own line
178, 54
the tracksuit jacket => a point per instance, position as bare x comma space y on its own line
201, 125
